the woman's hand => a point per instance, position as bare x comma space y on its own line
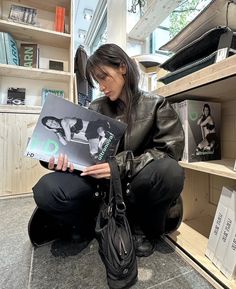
98, 171
62, 165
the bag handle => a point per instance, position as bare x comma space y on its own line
115, 186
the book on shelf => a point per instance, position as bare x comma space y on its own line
47, 91
9, 52
22, 14
16, 96
201, 123
3, 56
29, 55
218, 222
227, 230
228, 267
60, 19
85, 136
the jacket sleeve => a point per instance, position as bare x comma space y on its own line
168, 140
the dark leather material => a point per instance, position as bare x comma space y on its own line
147, 140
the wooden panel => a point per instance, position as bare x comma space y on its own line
216, 184
18, 172
34, 73
195, 194
155, 13
45, 5
222, 167
35, 34
215, 81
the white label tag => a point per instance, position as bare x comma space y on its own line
221, 54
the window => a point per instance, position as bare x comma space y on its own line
174, 23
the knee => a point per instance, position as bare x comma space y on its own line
46, 192
170, 173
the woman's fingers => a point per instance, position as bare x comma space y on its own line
63, 164
98, 171
51, 163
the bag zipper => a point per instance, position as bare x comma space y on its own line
122, 246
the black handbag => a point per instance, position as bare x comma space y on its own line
116, 247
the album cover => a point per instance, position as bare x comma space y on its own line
86, 136
201, 123
16, 96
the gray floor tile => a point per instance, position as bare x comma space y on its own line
15, 249
164, 269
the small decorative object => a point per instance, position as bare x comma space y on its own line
135, 3
56, 65
46, 92
16, 96
22, 14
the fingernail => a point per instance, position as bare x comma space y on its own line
82, 174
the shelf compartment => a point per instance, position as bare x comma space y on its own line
47, 5
192, 242
34, 73
22, 109
223, 168
31, 33
217, 81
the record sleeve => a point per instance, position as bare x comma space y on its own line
85, 136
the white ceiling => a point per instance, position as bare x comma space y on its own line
79, 21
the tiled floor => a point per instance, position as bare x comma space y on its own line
23, 267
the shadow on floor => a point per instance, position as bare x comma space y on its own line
24, 267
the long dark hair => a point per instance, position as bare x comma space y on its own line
46, 118
206, 105
113, 56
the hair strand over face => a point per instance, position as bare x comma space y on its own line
113, 56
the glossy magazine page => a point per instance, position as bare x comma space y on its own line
86, 136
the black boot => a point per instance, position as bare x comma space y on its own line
174, 216
144, 247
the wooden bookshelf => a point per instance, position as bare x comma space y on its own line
17, 122
191, 237
204, 180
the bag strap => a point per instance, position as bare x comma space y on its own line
115, 186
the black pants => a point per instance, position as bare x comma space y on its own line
71, 198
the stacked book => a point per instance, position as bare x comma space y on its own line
8, 49
22, 14
60, 19
221, 247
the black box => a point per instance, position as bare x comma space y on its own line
16, 96
56, 65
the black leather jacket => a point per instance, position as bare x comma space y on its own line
156, 132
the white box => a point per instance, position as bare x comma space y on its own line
223, 242
228, 267
218, 222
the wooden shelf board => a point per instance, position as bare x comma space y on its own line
31, 33
189, 237
47, 5
223, 167
20, 109
155, 13
34, 73
216, 81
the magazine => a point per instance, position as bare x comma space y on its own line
85, 136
